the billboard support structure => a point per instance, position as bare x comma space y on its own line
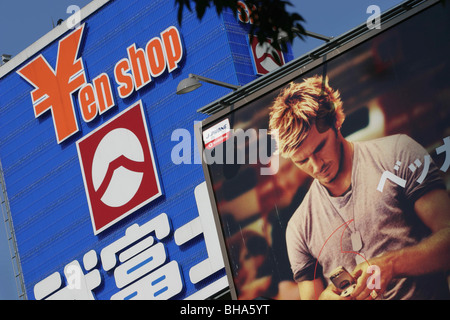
297, 32
314, 35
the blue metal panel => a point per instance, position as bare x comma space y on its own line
43, 179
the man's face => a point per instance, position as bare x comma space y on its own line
319, 155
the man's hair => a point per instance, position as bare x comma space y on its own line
301, 105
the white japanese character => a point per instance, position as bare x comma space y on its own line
445, 148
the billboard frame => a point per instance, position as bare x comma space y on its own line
283, 75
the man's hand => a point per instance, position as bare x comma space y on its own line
332, 293
379, 272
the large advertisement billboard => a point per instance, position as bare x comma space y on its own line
298, 191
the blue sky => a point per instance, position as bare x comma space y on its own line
23, 22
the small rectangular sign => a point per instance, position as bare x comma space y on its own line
217, 134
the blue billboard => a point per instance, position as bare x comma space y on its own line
89, 124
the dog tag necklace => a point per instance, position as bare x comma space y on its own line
356, 240
355, 236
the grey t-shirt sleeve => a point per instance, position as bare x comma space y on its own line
417, 168
303, 265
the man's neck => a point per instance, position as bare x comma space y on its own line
342, 183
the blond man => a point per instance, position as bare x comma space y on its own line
344, 220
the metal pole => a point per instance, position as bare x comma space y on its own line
216, 82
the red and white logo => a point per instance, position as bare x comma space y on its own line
118, 168
265, 57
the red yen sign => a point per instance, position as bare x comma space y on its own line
118, 168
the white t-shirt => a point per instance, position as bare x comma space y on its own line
318, 235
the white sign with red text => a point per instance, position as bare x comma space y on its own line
217, 134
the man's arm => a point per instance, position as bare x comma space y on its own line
432, 254
310, 289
